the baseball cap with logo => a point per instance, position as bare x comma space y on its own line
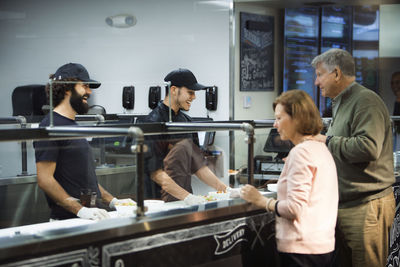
184, 77
75, 71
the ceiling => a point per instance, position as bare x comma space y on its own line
301, 3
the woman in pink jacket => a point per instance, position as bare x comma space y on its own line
307, 196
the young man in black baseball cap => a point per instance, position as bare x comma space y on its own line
65, 168
174, 158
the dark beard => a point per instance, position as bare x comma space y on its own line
77, 103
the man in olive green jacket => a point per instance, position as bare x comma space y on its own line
360, 140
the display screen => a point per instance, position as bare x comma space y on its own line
335, 33
336, 28
206, 139
301, 46
355, 29
275, 144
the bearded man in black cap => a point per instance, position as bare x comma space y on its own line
65, 168
174, 158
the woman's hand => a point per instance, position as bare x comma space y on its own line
251, 194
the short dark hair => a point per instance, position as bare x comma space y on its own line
167, 89
59, 89
299, 105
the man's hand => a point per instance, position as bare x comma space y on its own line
194, 200
233, 192
92, 214
116, 201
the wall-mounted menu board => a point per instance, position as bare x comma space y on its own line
256, 52
312, 30
301, 46
336, 32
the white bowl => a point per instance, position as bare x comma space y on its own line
272, 187
125, 210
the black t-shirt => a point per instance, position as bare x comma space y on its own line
75, 168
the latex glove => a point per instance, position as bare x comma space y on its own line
233, 192
194, 200
116, 201
92, 214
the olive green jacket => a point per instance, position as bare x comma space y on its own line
361, 146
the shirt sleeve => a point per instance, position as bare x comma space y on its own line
365, 141
300, 174
46, 151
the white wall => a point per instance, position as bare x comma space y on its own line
39, 36
389, 32
261, 107
261, 102
389, 50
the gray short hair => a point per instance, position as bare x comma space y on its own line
336, 57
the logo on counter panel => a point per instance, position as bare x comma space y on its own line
227, 241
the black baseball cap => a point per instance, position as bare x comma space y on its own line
184, 77
76, 71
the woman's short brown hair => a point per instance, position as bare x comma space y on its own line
299, 105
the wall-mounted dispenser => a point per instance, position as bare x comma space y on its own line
154, 96
212, 98
128, 97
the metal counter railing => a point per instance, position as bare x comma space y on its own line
21, 120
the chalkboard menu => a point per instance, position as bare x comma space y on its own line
256, 52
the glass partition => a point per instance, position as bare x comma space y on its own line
80, 163
195, 155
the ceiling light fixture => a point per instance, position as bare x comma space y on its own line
121, 21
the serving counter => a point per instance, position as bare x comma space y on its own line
228, 232
224, 233
25, 203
